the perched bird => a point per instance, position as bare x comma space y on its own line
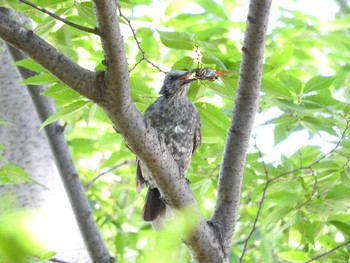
177, 121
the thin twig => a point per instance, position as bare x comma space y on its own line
328, 252
82, 28
88, 185
259, 206
257, 216
269, 181
143, 56
319, 159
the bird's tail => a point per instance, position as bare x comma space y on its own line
155, 210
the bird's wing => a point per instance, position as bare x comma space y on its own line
140, 181
197, 140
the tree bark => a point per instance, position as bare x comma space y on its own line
208, 242
225, 213
71, 181
29, 149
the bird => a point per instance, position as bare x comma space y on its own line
177, 122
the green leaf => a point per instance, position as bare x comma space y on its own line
2, 122
30, 64
60, 92
141, 94
13, 174
214, 122
196, 91
65, 111
266, 249
291, 82
339, 192
277, 214
184, 63
290, 105
41, 79
344, 228
13, 4
213, 8
270, 85
305, 228
294, 256
177, 40
226, 89
282, 131
318, 83
85, 11
48, 23
280, 58
208, 58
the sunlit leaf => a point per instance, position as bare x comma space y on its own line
30, 64
176, 40
60, 92
13, 174
85, 11
214, 122
42, 79
65, 111
294, 256
318, 83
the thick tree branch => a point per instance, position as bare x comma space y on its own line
73, 186
231, 173
81, 80
143, 140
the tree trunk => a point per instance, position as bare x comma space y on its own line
26, 147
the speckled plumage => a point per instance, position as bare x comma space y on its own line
177, 121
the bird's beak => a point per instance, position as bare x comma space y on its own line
186, 77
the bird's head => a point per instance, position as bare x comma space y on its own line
176, 83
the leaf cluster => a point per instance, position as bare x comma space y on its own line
294, 206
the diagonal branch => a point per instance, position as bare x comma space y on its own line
328, 252
88, 185
45, 107
81, 80
69, 23
270, 181
237, 142
262, 199
319, 159
144, 140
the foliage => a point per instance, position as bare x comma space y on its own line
294, 204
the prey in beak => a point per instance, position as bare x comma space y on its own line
186, 77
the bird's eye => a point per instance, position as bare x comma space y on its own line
171, 77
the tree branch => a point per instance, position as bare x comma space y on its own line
143, 56
262, 199
270, 181
319, 159
82, 28
231, 173
144, 140
88, 185
81, 80
328, 252
71, 181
